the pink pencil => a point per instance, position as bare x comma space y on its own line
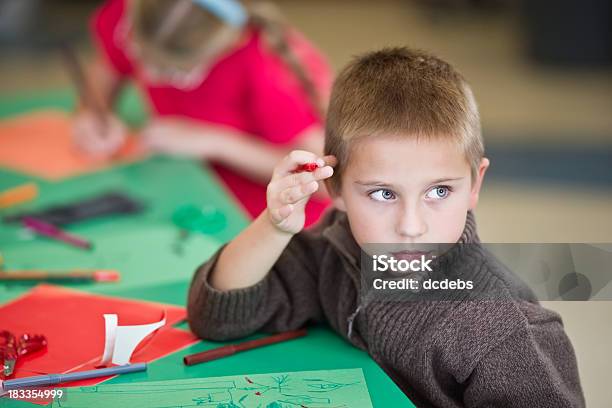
51, 231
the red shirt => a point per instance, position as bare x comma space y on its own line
250, 89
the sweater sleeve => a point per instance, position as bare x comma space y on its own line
535, 366
285, 299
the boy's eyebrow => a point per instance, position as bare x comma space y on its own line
383, 184
446, 179
373, 183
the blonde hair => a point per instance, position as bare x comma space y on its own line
178, 34
401, 91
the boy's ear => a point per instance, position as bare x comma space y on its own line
474, 194
339, 202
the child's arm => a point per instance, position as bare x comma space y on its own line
493, 353
262, 154
535, 366
266, 277
187, 138
99, 133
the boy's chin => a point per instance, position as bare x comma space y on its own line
406, 251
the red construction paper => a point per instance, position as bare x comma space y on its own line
73, 323
40, 144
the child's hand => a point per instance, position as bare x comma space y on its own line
288, 191
100, 137
176, 137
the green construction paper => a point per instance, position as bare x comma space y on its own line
146, 248
162, 184
146, 255
325, 388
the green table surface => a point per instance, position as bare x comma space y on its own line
142, 246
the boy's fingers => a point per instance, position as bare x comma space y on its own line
296, 179
323, 172
281, 213
290, 180
294, 194
294, 160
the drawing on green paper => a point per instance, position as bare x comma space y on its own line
304, 389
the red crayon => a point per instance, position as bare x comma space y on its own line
309, 167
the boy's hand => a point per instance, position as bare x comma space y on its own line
288, 191
99, 137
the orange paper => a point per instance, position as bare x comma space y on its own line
40, 144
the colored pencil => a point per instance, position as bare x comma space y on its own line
77, 275
53, 379
51, 231
237, 348
18, 195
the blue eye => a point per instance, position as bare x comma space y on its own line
438, 192
382, 195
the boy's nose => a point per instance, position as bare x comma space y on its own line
411, 224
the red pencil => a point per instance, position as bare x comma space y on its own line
236, 348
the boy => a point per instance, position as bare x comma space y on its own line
406, 154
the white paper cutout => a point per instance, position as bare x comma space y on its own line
121, 341
110, 330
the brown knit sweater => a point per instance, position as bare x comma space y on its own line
510, 352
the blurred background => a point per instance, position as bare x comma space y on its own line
542, 74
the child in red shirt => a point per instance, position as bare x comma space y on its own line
225, 82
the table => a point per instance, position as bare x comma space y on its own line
141, 247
